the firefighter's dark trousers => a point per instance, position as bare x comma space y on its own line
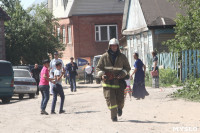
114, 99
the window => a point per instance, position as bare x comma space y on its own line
105, 32
69, 31
64, 36
19, 73
58, 33
5, 69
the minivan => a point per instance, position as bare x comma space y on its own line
6, 81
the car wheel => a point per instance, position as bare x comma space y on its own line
32, 95
21, 96
6, 100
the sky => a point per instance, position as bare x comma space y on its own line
27, 3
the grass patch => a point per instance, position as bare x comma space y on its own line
167, 78
191, 91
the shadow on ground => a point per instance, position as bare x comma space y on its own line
15, 99
80, 87
86, 112
157, 122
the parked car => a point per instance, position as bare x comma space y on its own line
22, 67
6, 81
24, 83
27, 67
95, 62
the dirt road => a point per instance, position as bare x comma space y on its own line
86, 112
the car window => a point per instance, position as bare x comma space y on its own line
18, 73
5, 69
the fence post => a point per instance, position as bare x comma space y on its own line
194, 62
183, 67
186, 65
198, 63
190, 61
176, 56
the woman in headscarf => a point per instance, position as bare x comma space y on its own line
139, 90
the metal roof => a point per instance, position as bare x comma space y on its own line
157, 13
160, 12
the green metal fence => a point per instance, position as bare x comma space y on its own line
186, 63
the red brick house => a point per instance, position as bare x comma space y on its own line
3, 17
86, 26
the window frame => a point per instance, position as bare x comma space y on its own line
58, 33
108, 32
69, 36
64, 35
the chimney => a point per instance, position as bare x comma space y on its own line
50, 5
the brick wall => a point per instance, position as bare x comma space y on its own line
69, 49
83, 34
2, 41
85, 43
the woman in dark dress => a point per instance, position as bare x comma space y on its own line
139, 90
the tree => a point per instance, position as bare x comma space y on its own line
30, 34
187, 27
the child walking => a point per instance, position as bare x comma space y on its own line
58, 89
128, 87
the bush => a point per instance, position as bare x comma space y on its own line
191, 91
148, 79
168, 77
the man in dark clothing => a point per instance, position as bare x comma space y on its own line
71, 68
36, 75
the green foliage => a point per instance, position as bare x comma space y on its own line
191, 91
187, 27
168, 77
148, 79
29, 35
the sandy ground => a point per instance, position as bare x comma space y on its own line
86, 112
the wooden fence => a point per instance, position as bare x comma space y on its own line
186, 63
190, 64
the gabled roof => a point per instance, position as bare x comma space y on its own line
88, 7
157, 13
4, 15
160, 12
81, 7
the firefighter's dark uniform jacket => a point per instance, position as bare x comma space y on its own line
119, 67
113, 88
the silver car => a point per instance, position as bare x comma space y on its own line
24, 83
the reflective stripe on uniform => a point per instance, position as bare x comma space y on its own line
109, 68
113, 107
117, 68
113, 68
110, 86
125, 71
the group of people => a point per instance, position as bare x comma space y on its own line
49, 81
113, 69
70, 72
